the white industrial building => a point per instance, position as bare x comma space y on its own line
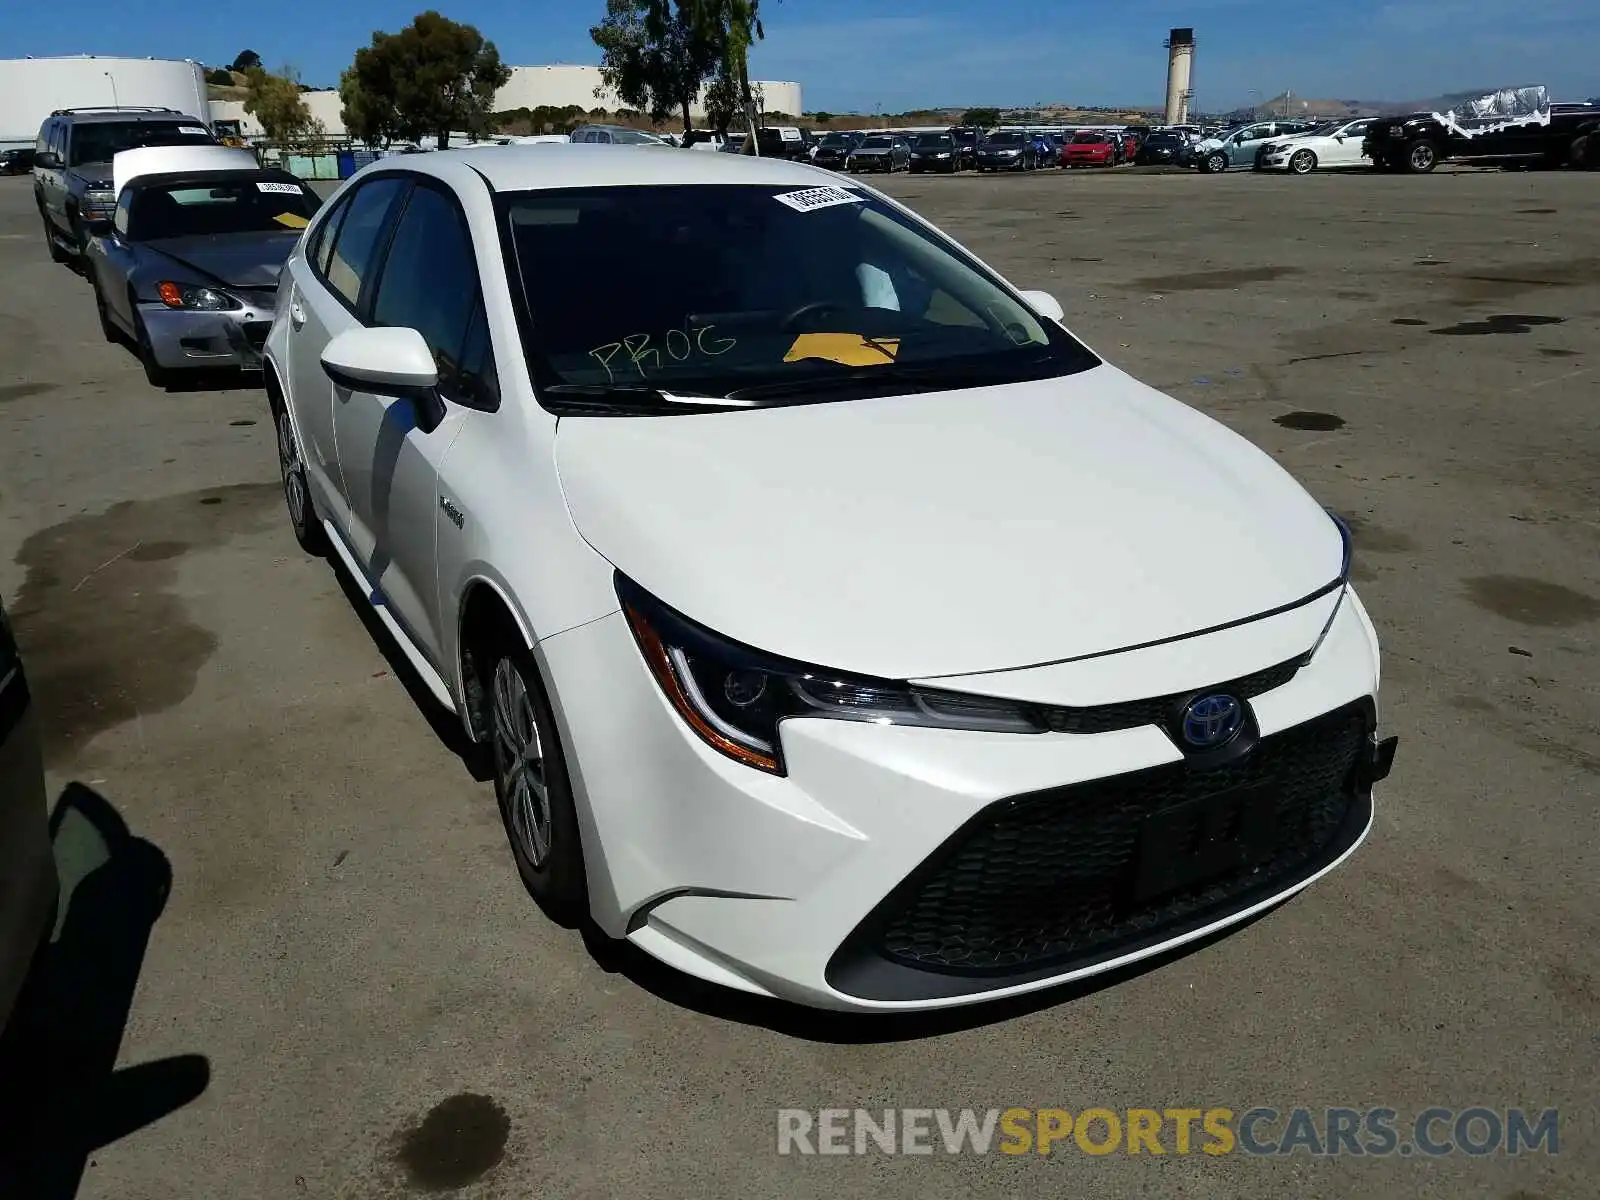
528, 87
32, 88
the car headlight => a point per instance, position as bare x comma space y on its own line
943, 154
184, 295
733, 697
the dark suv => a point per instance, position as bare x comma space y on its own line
72, 164
1421, 141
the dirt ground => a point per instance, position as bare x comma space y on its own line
313, 972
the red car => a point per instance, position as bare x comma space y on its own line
1090, 150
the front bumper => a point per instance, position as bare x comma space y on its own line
187, 338
899, 868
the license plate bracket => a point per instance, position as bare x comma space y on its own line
1202, 839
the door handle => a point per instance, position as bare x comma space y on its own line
297, 314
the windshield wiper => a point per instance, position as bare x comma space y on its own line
892, 377
634, 399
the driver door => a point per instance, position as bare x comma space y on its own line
1347, 152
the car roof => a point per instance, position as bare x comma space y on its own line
579, 164
125, 115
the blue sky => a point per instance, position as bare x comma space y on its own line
866, 54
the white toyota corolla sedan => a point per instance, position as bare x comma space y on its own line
844, 629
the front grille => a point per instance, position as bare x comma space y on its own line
1073, 873
1156, 710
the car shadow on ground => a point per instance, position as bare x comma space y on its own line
62, 1096
840, 1028
446, 725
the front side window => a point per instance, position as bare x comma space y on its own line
99, 141
713, 289
248, 204
430, 284
360, 230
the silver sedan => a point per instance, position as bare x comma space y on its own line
187, 268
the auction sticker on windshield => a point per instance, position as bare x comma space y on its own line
192, 129
290, 189
808, 199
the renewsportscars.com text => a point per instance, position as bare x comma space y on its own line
1260, 1131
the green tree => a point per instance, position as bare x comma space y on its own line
276, 102
220, 77
653, 61
732, 26
246, 60
985, 117
822, 118
434, 76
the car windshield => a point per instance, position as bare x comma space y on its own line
877, 143
1327, 130
1006, 137
98, 141
935, 141
1090, 139
712, 290
264, 203
836, 139
1163, 139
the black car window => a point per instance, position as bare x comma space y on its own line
98, 141
430, 284
217, 207
360, 235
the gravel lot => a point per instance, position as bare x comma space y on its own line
380, 1011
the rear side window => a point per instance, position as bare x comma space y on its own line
430, 284
360, 236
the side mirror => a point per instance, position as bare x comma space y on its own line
1044, 304
388, 362
48, 159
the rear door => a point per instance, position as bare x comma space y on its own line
392, 450
328, 285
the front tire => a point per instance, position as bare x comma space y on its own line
303, 519
1421, 157
154, 372
1214, 164
57, 254
1302, 162
111, 332
532, 785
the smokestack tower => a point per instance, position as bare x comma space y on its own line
1180, 64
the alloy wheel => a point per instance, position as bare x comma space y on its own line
1302, 162
519, 763
1422, 157
294, 479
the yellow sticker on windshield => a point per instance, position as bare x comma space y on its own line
846, 349
292, 220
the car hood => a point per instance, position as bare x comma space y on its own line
246, 260
950, 533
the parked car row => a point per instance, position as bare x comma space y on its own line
1514, 128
